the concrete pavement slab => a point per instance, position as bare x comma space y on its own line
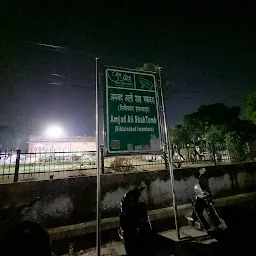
117, 248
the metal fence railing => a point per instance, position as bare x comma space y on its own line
21, 166
46, 165
135, 163
7, 164
212, 154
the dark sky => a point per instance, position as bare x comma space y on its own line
206, 49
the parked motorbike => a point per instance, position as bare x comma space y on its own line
203, 215
21, 237
135, 227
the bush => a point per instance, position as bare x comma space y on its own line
121, 164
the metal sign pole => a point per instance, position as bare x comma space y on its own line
98, 235
169, 153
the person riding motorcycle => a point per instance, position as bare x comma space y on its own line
135, 227
132, 211
202, 190
204, 181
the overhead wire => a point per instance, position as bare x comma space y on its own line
50, 82
53, 82
64, 49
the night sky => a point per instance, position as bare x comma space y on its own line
207, 51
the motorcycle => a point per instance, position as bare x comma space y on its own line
22, 237
208, 220
135, 226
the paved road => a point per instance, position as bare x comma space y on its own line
198, 245
237, 240
165, 243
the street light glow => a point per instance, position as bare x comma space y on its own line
54, 131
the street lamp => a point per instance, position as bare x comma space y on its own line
54, 131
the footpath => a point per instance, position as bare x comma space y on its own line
174, 248
154, 215
238, 211
235, 241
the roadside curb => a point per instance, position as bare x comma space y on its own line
154, 215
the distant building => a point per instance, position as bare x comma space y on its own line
69, 144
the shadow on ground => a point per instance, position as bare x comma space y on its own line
229, 243
236, 240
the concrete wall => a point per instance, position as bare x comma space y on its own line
73, 200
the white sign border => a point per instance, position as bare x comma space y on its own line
107, 111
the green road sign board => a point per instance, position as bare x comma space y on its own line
131, 112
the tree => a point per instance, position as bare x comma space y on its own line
149, 66
179, 136
211, 122
213, 114
155, 68
250, 107
216, 133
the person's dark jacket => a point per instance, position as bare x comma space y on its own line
204, 183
